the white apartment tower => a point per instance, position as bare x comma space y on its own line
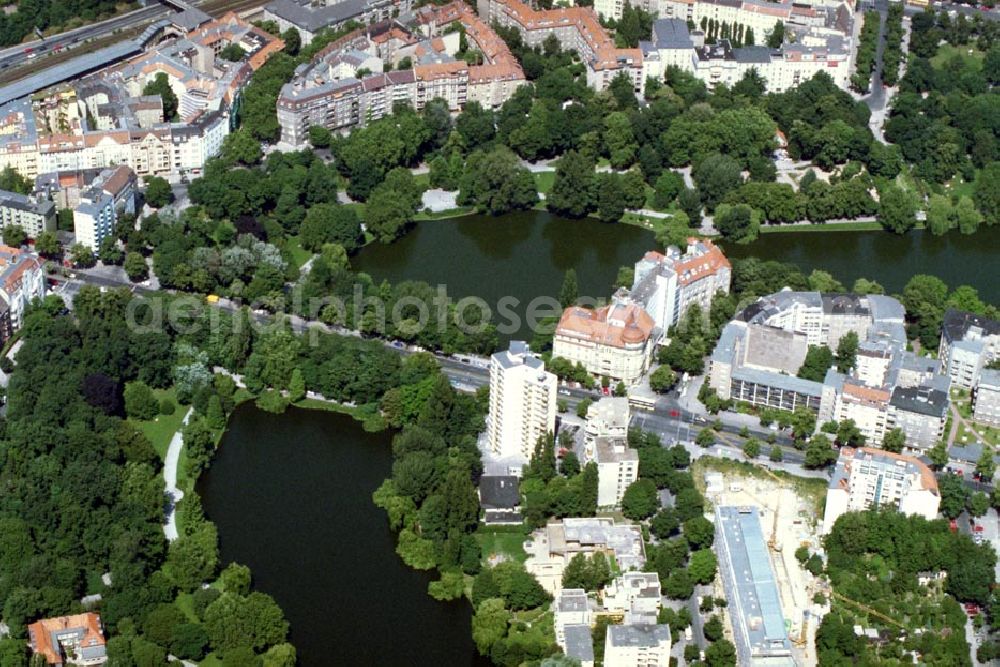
867, 477
522, 403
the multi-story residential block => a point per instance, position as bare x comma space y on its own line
112, 194
335, 92
867, 407
22, 279
617, 468
986, 398
310, 17
607, 418
635, 595
580, 644
577, 29
921, 412
867, 477
571, 608
667, 285
551, 548
637, 646
34, 215
105, 120
73, 640
615, 341
969, 342
522, 403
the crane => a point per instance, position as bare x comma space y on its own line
773, 541
865, 608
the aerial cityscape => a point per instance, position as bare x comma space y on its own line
530, 333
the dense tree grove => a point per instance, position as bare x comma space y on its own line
874, 558
50, 14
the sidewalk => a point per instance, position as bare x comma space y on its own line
170, 479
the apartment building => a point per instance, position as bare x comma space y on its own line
986, 398
105, 120
635, 595
310, 17
22, 279
112, 194
571, 607
637, 646
31, 213
615, 341
522, 403
577, 29
667, 284
867, 477
75, 640
969, 342
551, 548
334, 91
921, 412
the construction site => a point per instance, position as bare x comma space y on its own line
761, 520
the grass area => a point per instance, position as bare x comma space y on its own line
823, 227
94, 583
545, 179
211, 660
161, 429
812, 489
969, 54
506, 541
445, 214
423, 180
185, 602
299, 254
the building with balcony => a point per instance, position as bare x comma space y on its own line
866, 477
69, 640
22, 279
986, 398
522, 404
969, 342
615, 341
637, 646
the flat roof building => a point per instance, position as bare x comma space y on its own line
637, 646
751, 589
522, 404
986, 398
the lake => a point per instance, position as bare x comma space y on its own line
521, 256
291, 496
958, 259
526, 255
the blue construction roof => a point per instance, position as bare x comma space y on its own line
751, 588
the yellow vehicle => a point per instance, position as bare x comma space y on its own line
212, 299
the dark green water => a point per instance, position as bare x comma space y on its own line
892, 260
291, 496
526, 255
520, 256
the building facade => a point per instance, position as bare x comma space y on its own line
22, 279
76, 640
345, 86
637, 646
969, 343
667, 284
33, 214
615, 341
112, 194
522, 403
867, 477
986, 398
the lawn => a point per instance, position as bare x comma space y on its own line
970, 54
823, 227
509, 542
299, 254
545, 179
185, 602
161, 429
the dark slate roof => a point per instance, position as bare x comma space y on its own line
958, 322
671, 34
752, 54
312, 19
499, 491
921, 400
